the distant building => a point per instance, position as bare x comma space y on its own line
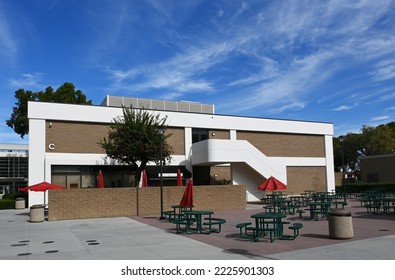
378, 169
13, 167
208, 147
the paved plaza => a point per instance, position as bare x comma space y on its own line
148, 238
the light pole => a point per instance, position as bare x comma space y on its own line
160, 132
341, 139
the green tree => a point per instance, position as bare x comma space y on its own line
371, 141
64, 94
377, 140
352, 149
133, 139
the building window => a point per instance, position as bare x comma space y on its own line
80, 177
199, 134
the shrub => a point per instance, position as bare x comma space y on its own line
9, 196
363, 187
7, 203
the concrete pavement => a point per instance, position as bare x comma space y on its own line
147, 238
105, 239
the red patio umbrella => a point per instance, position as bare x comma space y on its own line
272, 184
187, 198
179, 178
42, 187
144, 179
100, 180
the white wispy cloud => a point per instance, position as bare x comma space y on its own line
380, 118
181, 73
387, 97
342, 108
8, 45
292, 106
384, 70
323, 40
31, 81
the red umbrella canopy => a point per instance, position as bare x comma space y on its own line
187, 199
179, 178
42, 187
272, 184
100, 180
144, 179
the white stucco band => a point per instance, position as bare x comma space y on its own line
100, 114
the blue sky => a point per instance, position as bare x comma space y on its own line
329, 61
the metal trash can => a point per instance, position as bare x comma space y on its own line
20, 203
340, 224
37, 213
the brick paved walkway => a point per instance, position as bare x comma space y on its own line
313, 234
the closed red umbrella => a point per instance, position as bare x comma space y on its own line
272, 184
187, 198
100, 180
179, 178
144, 179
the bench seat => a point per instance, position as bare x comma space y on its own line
183, 225
210, 222
295, 227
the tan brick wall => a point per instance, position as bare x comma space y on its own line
103, 203
223, 173
75, 137
176, 140
71, 204
306, 178
285, 145
80, 137
222, 197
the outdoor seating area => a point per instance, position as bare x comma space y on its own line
188, 220
317, 204
255, 233
378, 202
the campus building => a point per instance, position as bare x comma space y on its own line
13, 167
378, 169
208, 147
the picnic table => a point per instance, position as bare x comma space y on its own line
267, 223
389, 205
284, 206
318, 209
176, 212
202, 221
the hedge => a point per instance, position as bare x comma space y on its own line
363, 187
7, 203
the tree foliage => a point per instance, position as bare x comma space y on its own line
133, 139
371, 141
377, 140
64, 94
